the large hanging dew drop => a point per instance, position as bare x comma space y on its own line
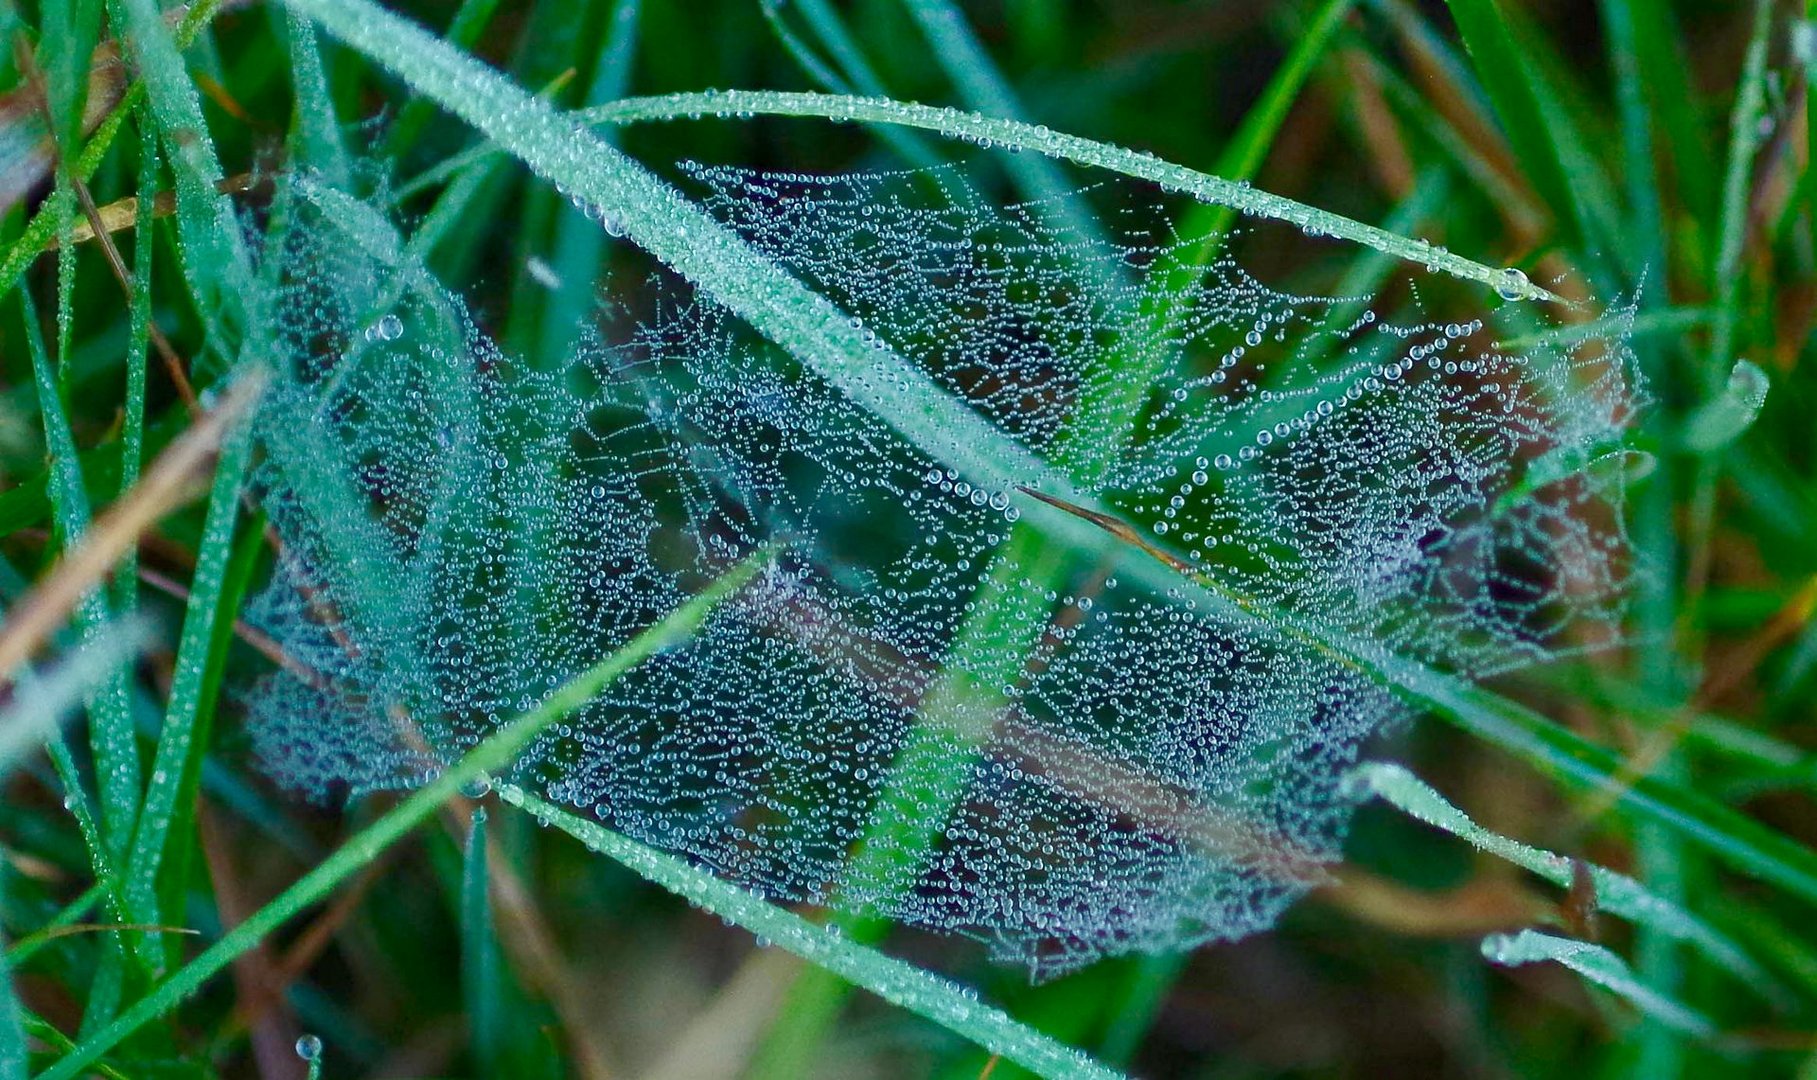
1026, 754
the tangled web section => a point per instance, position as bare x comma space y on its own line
923, 710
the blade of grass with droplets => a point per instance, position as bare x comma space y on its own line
14, 1060
493, 755
1744, 139
1241, 198
315, 136
176, 745
217, 265
225, 786
138, 348
1600, 966
111, 734
897, 982
1616, 893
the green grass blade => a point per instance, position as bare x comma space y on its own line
116, 751
14, 1060
227, 788
1738, 175
1149, 984
493, 755
1645, 236
217, 265
925, 994
194, 646
815, 68
1502, 67
314, 133
479, 951
1616, 893
952, 123
138, 347
69, 30
1600, 966
1725, 417
580, 244
983, 87
1660, 53
1737, 839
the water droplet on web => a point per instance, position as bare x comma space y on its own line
1513, 284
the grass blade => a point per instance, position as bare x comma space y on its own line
116, 751
495, 754
479, 951
138, 347
14, 1061
900, 983
175, 740
952, 123
217, 265
1503, 70
1600, 966
1616, 893
313, 130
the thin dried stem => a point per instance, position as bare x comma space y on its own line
171, 480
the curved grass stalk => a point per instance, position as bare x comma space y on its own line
1600, 966
1616, 893
495, 754
896, 981
1235, 195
